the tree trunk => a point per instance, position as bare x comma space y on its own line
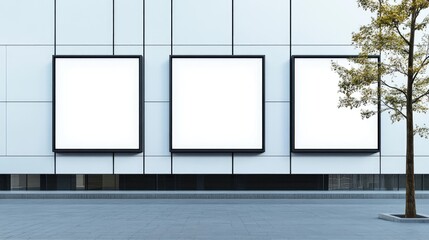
410, 198
410, 205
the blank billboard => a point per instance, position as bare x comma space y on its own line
318, 124
217, 103
97, 103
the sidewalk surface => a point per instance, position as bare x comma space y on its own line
206, 219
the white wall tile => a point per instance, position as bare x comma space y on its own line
128, 50
128, 164
326, 22
84, 50
393, 136
421, 165
250, 164
421, 145
202, 22
26, 22
29, 129
335, 164
26, 165
128, 22
393, 165
202, 50
3, 73
277, 75
3, 128
261, 22
157, 165
277, 141
84, 164
157, 73
324, 50
158, 21
29, 73
396, 165
84, 22
202, 163
157, 129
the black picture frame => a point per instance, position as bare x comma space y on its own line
292, 107
141, 107
229, 150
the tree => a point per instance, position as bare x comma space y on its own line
398, 33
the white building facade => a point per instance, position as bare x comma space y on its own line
31, 32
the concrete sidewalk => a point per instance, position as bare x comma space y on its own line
206, 219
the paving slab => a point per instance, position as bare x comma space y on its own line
206, 219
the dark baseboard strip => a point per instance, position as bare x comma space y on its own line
208, 195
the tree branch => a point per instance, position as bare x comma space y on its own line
393, 108
400, 34
419, 97
420, 67
395, 88
395, 68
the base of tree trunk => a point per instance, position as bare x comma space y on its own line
393, 217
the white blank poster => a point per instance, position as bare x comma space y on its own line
319, 123
217, 103
97, 104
